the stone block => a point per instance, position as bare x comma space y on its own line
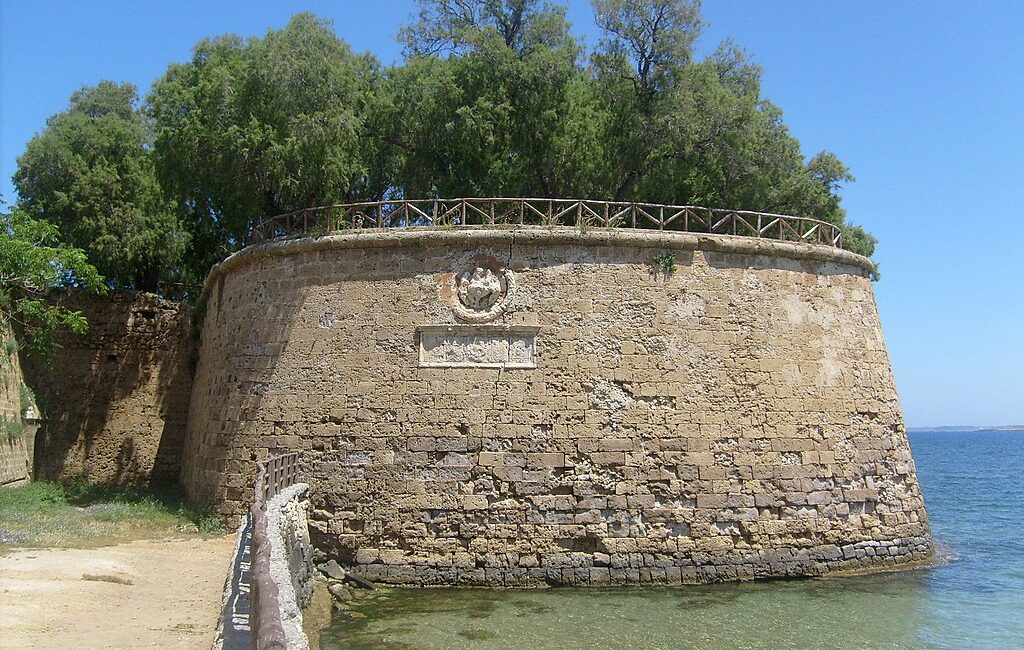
608, 458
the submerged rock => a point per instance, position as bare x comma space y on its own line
332, 570
359, 581
340, 592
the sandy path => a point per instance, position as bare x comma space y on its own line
173, 600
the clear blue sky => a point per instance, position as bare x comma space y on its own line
921, 99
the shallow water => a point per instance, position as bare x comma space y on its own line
975, 497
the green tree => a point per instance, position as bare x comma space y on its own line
647, 42
90, 173
494, 98
638, 66
251, 129
502, 82
457, 26
700, 132
33, 260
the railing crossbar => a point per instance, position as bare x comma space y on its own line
548, 212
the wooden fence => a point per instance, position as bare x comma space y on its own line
546, 212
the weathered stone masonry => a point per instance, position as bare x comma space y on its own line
607, 424
16, 435
116, 399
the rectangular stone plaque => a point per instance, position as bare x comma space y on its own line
477, 346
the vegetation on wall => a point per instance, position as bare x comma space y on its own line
493, 97
665, 262
26, 398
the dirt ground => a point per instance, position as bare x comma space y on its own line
162, 593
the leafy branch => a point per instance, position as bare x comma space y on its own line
33, 260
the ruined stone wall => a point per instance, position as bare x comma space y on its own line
16, 458
15, 437
531, 406
115, 400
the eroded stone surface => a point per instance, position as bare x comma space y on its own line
480, 289
16, 439
115, 400
736, 419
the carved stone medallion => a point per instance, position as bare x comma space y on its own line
480, 290
482, 294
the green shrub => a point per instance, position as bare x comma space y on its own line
665, 262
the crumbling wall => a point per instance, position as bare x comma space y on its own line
115, 400
16, 437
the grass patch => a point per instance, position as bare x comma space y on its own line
51, 514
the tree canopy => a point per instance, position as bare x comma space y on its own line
493, 97
91, 174
246, 130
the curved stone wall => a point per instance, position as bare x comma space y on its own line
530, 406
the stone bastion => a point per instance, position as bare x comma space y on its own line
523, 406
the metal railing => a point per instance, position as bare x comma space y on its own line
581, 213
267, 631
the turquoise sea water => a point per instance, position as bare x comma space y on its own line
974, 490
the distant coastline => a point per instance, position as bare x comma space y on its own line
969, 429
